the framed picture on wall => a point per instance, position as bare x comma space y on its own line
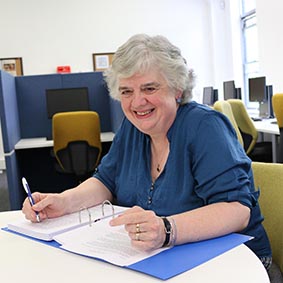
14, 66
101, 61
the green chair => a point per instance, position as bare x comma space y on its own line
268, 177
277, 103
224, 107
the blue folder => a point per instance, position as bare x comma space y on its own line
185, 257
178, 259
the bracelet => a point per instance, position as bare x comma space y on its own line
174, 232
168, 231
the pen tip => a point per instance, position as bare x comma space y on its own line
37, 218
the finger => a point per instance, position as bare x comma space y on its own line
138, 236
144, 246
141, 241
27, 205
138, 227
37, 197
132, 217
27, 209
133, 210
41, 201
29, 213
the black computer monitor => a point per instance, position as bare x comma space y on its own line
66, 99
215, 93
257, 90
229, 90
208, 95
269, 93
238, 93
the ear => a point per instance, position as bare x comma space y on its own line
178, 96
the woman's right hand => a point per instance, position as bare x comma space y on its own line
47, 205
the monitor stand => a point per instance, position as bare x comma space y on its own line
263, 110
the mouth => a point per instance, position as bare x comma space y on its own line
143, 114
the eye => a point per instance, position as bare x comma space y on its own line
150, 89
126, 92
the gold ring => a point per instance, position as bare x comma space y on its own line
138, 230
137, 236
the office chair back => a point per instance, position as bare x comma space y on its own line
268, 177
245, 124
277, 104
224, 107
77, 144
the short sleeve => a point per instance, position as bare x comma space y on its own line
106, 171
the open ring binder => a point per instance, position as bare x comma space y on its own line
90, 221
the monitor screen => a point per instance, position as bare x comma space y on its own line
66, 99
238, 93
229, 90
208, 95
257, 89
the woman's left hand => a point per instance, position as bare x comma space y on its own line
144, 227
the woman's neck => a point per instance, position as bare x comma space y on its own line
159, 155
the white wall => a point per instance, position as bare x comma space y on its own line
51, 33
269, 20
222, 44
47, 34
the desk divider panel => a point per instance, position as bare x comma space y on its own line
32, 104
10, 134
9, 112
99, 98
16, 191
23, 114
32, 100
117, 114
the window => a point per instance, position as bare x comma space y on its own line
248, 5
250, 44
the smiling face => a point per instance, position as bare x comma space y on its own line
148, 102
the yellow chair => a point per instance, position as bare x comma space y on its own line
277, 104
268, 177
77, 144
245, 124
224, 107
257, 151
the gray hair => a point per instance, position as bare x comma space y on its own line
142, 53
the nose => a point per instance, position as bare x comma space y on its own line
138, 99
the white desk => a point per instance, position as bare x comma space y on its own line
266, 126
25, 260
43, 142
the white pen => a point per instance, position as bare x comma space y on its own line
27, 189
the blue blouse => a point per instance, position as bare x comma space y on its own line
206, 164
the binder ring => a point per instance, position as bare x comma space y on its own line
111, 205
89, 215
89, 212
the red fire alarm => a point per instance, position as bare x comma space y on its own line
63, 69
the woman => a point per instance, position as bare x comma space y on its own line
171, 157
